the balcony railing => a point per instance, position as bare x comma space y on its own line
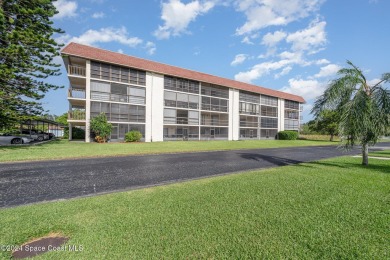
76, 93
76, 70
76, 115
214, 107
215, 122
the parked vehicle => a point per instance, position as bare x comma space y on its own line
37, 135
51, 135
7, 138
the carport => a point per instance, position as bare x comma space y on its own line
45, 125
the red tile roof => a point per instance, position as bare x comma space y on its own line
92, 53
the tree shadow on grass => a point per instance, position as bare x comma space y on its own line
378, 167
371, 167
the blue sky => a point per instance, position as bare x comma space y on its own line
295, 46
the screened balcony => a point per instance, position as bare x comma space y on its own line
76, 70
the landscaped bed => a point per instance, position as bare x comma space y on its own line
61, 149
333, 208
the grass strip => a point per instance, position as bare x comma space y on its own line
329, 209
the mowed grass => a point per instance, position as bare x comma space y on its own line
330, 209
60, 149
384, 153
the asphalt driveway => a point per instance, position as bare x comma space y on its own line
23, 183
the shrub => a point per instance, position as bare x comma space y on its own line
133, 136
77, 133
287, 135
101, 127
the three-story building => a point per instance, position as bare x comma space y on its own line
166, 103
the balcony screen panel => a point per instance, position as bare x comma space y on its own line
269, 122
193, 114
182, 97
124, 75
269, 111
168, 95
193, 99
291, 104
115, 73
270, 101
100, 86
249, 97
118, 89
169, 112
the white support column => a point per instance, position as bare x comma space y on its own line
70, 131
281, 115
87, 101
154, 121
234, 114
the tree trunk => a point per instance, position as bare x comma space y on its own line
331, 137
365, 154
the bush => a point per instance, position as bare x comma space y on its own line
77, 133
287, 135
101, 127
133, 136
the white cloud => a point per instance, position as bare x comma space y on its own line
308, 89
98, 15
328, 70
309, 39
261, 69
271, 39
151, 47
263, 13
177, 16
322, 62
284, 72
65, 9
120, 51
373, 82
247, 40
240, 58
109, 34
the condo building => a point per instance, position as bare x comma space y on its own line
168, 103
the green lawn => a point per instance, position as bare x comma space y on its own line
385, 153
331, 209
65, 149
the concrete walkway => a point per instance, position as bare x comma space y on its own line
23, 183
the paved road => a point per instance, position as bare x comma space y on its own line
23, 183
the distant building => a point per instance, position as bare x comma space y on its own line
170, 103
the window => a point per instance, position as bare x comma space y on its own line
269, 122
136, 95
291, 114
169, 116
247, 108
249, 121
291, 124
249, 97
179, 84
269, 111
118, 74
291, 104
214, 90
269, 101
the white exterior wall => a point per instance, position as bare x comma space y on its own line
234, 114
154, 121
87, 101
281, 115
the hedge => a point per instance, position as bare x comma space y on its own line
288, 135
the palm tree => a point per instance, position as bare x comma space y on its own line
364, 109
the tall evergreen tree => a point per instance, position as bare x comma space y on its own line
27, 49
364, 108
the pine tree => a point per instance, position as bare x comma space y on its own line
27, 49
